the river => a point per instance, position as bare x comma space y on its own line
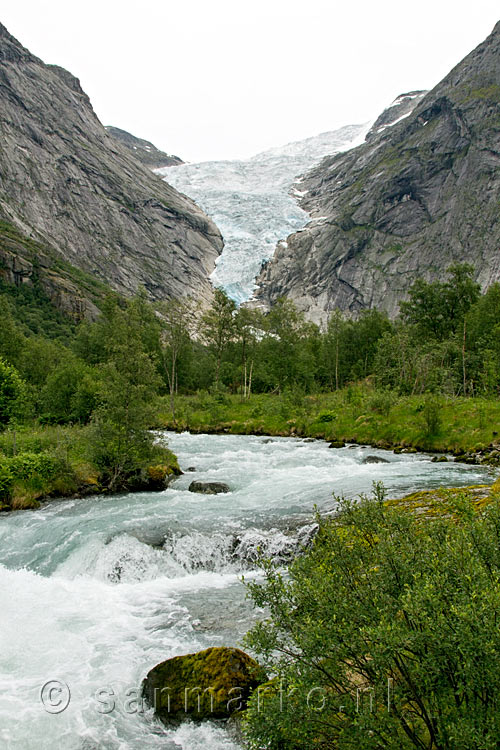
94, 592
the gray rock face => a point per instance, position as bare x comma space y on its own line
66, 182
413, 199
143, 150
401, 107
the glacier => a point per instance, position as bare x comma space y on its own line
254, 202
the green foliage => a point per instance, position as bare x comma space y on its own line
35, 470
431, 413
218, 327
6, 478
11, 393
439, 308
325, 416
119, 439
33, 312
463, 426
70, 393
382, 402
384, 634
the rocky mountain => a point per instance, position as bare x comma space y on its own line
143, 150
416, 197
254, 201
400, 108
72, 196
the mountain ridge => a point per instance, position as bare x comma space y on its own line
145, 151
409, 202
67, 184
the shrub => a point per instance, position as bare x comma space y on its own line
384, 634
382, 402
11, 393
325, 416
432, 416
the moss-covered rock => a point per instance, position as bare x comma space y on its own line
158, 477
211, 684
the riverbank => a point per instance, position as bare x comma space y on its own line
467, 428
42, 462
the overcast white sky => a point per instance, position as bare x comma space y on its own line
219, 79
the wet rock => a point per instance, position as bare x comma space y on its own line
209, 488
374, 460
439, 459
337, 444
210, 684
191, 468
159, 477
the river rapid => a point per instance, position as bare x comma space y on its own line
94, 592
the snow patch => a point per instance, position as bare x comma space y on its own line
390, 124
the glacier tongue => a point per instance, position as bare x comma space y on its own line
254, 202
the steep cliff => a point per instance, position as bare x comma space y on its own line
146, 152
416, 197
66, 184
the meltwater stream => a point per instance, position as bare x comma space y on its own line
94, 592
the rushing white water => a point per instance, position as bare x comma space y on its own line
94, 592
254, 202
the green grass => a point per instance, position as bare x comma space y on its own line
355, 414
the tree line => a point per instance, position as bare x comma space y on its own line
445, 340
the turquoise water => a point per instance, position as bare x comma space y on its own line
94, 592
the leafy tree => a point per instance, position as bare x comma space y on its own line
438, 308
177, 318
287, 346
218, 327
248, 330
12, 339
121, 443
11, 393
384, 634
70, 393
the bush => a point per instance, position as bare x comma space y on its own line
31, 470
6, 478
431, 412
382, 402
11, 393
384, 635
325, 416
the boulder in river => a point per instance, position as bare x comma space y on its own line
211, 684
375, 460
209, 488
337, 444
160, 476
